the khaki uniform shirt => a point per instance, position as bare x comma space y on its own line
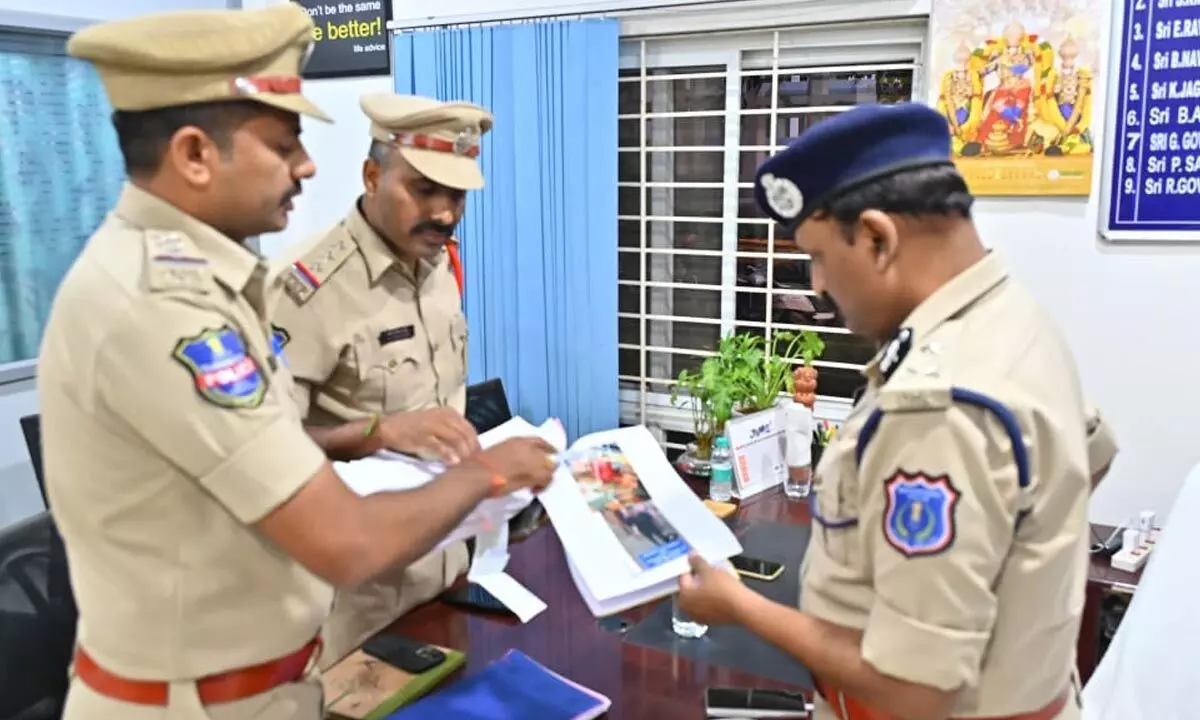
364, 335
168, 430
914, 544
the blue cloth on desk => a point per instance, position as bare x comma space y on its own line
515, 687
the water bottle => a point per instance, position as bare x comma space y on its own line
720, 484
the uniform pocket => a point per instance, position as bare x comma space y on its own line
834, 500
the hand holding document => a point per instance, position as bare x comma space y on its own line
626, 520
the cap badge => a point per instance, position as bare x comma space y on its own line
467, 139
782, 195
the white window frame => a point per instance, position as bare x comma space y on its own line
879, 45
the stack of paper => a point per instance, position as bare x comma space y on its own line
625, 518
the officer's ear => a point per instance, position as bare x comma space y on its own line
372, 175
877, 231
193, 155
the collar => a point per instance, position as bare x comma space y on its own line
228, 259
946, 302
378, 254
375, 250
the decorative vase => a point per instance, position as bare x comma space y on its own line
694, 462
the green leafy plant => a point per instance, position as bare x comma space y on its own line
765, 376
713, 397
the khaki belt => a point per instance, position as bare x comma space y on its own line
225, 687
847, 708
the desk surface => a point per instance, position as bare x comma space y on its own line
643, 684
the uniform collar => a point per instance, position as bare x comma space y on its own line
376, 251
229, 260
946, 302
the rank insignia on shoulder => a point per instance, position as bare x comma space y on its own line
920, 516
224, 373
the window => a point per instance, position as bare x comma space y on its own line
60, 173
698, 259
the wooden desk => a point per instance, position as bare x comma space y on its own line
1103, 581
649, 684
643, 684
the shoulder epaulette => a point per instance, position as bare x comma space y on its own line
315, 267
173, 262
924, 380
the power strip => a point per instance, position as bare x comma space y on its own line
1133, 559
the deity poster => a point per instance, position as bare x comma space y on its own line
1016, 80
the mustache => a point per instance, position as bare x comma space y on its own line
292, 195
433, 227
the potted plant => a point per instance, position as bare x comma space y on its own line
712, 399
761, 377
804, 379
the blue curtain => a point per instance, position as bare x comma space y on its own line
60, 172
539, 242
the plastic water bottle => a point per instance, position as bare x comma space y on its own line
720, 484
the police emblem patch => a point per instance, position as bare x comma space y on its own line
224, 373
919, 518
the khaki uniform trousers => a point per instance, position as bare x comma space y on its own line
361, 611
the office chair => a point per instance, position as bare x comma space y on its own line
31, 428
37, 620
487, 405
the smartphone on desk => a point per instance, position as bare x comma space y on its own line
730, 702
765, 570
474, 598
410, 656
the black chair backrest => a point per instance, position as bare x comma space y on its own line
37, 620
487, 405
31, 428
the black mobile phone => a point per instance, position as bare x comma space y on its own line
474, 597
730, 702
409, 655
765, 570
526, 522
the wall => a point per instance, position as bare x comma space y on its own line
19, 496
1114, 304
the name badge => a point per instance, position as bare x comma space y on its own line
396, 334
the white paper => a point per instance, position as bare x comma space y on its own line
392, 472
524, 604
612, 559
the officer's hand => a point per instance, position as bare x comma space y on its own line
437, 433
524, 462
710, 595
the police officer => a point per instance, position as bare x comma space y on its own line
203, 527
373, 325
946, 571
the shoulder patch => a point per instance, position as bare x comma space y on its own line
920, 516
224, 373
173, 262
310, 272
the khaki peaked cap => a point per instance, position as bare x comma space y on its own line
180, 58
439, 139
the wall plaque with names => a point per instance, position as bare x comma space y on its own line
1152, 166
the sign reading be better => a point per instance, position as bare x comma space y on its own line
351, 37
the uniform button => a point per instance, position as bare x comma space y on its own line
392, 364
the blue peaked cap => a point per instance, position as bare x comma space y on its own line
864, 143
